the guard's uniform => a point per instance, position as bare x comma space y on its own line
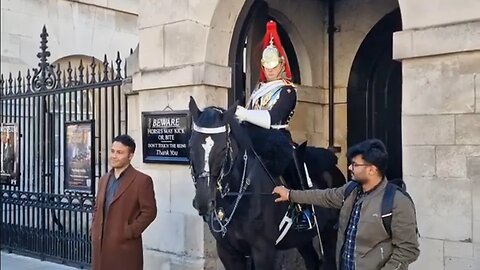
270, 108
279, 98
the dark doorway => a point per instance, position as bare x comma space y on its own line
375, 92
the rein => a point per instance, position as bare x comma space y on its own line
248, 194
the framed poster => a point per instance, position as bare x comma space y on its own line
9, 153
165, 137
79, 159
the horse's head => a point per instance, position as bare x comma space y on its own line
210, 152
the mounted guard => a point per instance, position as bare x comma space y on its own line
271, 106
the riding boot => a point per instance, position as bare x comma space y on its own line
304, 219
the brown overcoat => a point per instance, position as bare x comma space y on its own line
117, 239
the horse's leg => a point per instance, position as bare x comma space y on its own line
263, 256
231, 259
329, 240
310, 256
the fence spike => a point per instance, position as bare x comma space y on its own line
59, 76
93, 65
10, 81
1, 85
69, 70
19, 83
118, 61
105, 68
80, 70
29, 81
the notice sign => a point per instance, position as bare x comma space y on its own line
165, 137
9, 154
79, 161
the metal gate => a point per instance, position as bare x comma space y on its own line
42, 215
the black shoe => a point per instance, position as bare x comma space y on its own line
304, 221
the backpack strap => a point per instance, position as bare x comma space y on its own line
352, 185
387, 206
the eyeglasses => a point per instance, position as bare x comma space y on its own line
353, 164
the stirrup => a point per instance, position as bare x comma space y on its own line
304, 220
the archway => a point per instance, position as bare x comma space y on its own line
374, 93
245, 50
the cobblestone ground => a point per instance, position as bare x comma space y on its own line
10, 261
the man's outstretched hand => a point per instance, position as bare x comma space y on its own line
283, 194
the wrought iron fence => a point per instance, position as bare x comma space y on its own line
40, 217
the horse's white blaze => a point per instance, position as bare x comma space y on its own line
207, 146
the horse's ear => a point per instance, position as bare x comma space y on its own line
230, 112
194, 110
301, 148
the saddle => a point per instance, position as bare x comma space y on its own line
284, 160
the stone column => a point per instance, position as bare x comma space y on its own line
174, 64
441, 137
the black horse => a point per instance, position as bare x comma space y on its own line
233, 194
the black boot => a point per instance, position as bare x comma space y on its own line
304, 220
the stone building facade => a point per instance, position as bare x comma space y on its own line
76, 28
185, 48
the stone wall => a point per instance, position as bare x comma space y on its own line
174, 64
85, 27
441, 140
306, 26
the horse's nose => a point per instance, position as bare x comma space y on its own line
194, 204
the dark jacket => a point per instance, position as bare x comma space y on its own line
374, 248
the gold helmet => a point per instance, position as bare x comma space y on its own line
271, 56
273, 53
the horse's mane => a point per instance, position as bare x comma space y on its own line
238, 132
240, 135
272, 146
214, 108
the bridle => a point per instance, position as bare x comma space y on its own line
228, 159
215, 217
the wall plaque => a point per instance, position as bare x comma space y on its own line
165, 137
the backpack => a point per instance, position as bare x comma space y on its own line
387, 200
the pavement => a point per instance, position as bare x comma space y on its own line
10, 261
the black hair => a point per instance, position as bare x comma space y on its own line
373, 151
127, 141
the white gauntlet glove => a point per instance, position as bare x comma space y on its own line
241, 114
260, 118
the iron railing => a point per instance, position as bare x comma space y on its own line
40, 217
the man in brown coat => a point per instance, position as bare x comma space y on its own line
363, 242
124, 208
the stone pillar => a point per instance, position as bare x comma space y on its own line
173, 64
441, 137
